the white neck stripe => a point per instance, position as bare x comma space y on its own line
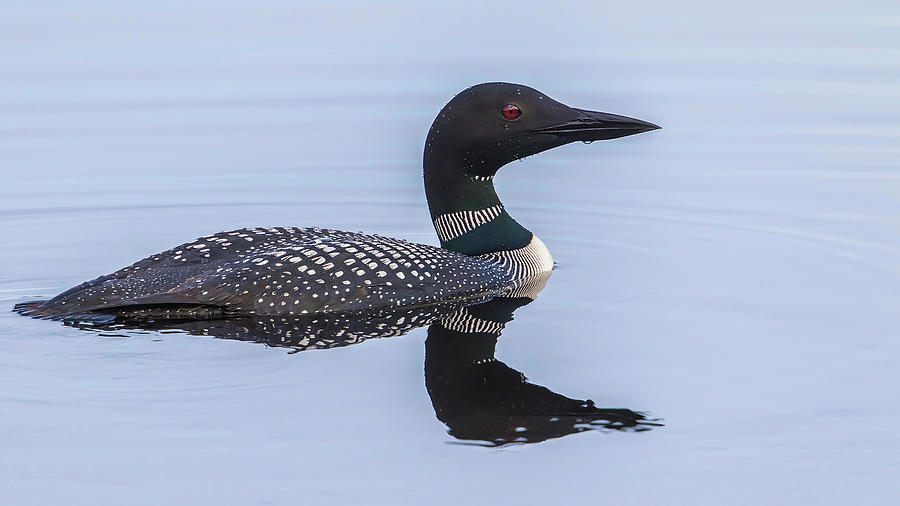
452, 225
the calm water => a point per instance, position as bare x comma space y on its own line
736, 274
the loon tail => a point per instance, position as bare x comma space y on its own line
35, 309
40, 309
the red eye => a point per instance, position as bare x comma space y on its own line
511, 111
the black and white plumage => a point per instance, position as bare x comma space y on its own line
300, 271
452, 225
286, 271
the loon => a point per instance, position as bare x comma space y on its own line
307, 271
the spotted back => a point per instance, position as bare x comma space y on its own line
290, 271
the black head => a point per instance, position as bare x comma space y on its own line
492, 124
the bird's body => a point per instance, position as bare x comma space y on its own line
293, 271
286, 270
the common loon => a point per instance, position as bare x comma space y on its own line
296, 271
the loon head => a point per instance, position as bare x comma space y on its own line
482, 129
491, 124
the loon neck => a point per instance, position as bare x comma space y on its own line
468, 215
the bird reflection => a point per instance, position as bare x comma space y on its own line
479, 398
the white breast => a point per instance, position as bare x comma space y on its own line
527, 261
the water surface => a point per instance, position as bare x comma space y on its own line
735, 274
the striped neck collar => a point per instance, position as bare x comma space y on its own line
449, 226
467, 213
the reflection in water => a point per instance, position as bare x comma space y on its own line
299, 333
478, 397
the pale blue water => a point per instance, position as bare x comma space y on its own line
736, 274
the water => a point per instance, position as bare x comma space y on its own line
734, 274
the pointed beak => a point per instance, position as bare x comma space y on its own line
595, 126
